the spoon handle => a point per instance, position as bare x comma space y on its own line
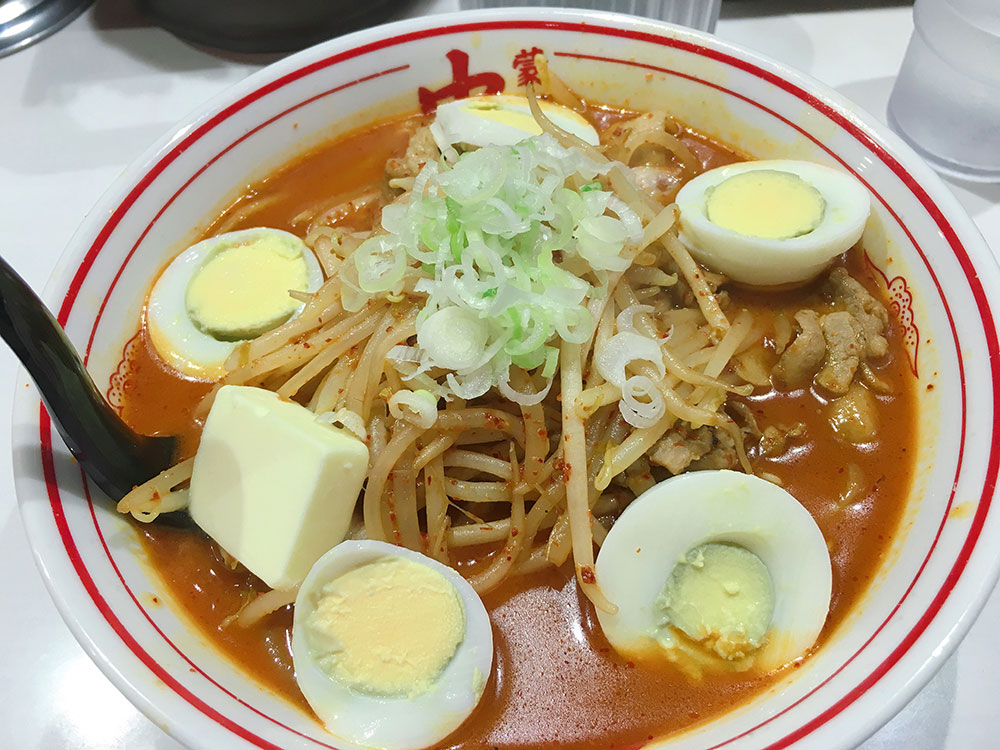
113, 455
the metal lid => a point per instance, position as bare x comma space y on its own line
24, 22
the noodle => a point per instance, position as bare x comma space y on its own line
159, 494
297, 353
648, 130
319, 311
559, 544
378, 475
246, 209
729, 344
536, 439
328, 394
526, 482
594, 398
534, 562
477, 492
620, 457
564, 137
479, 462
336, 348
432, 450
404, 492
264, 604
555, 87
344, 209
504, 559
439, 532
695, 277
462, 420
366, 375
468, 535
575, 452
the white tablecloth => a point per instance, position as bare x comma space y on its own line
79, 106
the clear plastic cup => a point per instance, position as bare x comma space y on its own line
695, 14
946, 100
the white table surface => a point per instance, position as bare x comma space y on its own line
79, 106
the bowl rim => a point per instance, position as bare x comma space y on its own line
963, 238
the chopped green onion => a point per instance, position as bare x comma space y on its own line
509, 254
453, 337
551, 360
418, 407
381, 262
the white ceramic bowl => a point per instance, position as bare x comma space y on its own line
939, 271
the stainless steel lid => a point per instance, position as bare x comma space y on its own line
24, 22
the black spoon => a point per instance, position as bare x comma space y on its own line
114, 456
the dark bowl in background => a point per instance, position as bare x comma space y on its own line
265, 25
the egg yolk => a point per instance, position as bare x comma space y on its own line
765, 203
497, 112
241, 291
387, 628
720, 595
500, 120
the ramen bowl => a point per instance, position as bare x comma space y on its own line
937, 271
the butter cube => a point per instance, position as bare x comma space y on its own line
275, 488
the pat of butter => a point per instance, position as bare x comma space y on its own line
274, 487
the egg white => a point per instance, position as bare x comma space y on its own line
460, 122
393, 723
684, 512
175, 337
759, 261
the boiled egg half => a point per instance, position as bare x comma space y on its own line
391, 648
725, 560
502, 120
224, 290
771, 223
